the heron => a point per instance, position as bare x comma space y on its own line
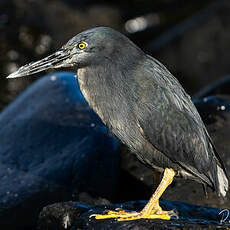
145, 107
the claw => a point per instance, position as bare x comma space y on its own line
127, 216
152, 210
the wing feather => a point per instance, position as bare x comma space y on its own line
174, 131
171, 122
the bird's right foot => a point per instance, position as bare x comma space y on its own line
152, 210
122, 215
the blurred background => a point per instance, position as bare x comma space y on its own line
190, 37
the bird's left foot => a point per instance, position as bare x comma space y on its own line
126, 216
152, 210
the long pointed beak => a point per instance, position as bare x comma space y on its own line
59, 59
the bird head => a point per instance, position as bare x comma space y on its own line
89, 48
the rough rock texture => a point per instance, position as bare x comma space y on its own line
52, 148
75, 216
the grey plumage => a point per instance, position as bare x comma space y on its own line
142, 103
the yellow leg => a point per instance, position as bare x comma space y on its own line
152, 210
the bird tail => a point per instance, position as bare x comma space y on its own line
219, 174
222, 182
220, 177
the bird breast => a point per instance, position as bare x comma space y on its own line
88, 94
110, 104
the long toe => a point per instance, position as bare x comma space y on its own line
152, 216
127, 216
114, 215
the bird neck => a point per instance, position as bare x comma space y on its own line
107, 89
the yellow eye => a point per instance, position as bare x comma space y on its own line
81, 45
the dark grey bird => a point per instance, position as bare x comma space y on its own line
144, 106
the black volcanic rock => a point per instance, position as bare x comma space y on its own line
70, 215
52, 148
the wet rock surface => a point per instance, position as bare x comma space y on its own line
74, 216
52, 148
